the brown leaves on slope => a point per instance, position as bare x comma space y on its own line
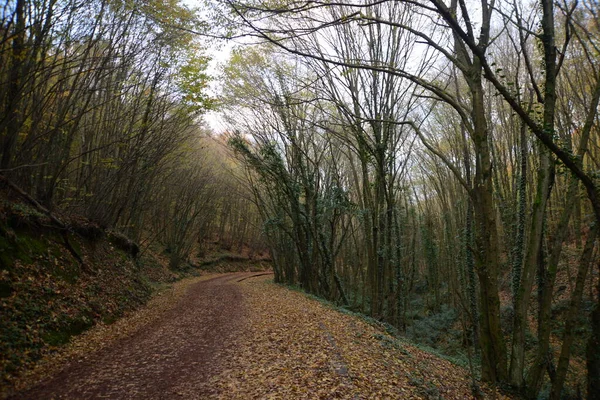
297, 348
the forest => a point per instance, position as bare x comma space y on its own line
431, 164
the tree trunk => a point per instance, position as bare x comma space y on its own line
519, 245
11, 121
487, 258
472, 283
523, 295
593, 355
569, 334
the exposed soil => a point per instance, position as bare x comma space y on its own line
172, 357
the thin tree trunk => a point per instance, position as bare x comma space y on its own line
487, 260
536, 373
11, 121
572, 314
593, 355
523, 297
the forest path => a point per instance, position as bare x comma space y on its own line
172, 357
239, 336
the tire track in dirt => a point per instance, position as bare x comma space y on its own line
174, 357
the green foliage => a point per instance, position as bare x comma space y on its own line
193, 81
427, 389
436, 330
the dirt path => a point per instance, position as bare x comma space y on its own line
171, 358
232, 338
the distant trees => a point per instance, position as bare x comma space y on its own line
301, 197
101, 102
428, 108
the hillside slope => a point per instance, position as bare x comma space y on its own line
56, 283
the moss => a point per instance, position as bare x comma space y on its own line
76, 246
45, 249
110, 319
123, 243
68, 272
73, 327
6, 256
21, 246
6, 289
34, 245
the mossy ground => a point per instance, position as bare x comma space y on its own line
47, 296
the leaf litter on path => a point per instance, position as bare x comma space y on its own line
104, 335
270, 343
294, 347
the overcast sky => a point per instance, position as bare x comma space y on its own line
219, 53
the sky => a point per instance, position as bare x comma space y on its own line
219, 57
219, 53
